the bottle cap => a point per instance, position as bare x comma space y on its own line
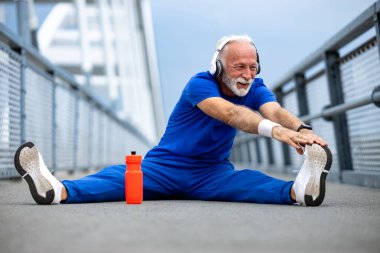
133, 158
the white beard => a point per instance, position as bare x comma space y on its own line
232, 85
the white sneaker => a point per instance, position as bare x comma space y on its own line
44, 187
310, 182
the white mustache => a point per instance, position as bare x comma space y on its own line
243, 81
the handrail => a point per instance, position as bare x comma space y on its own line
328, 112
18, 44
354, 29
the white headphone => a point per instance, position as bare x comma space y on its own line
216, 66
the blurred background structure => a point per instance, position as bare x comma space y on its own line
335, 90
81, 79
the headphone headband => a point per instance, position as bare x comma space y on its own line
224, 42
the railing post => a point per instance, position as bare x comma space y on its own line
248, 152
23, 20
22, 96
90, 135
241, 153
268, 142
237, 153
54, 121
303, 106
233, 155
339, 120
258, 151
285, 147
76, 132
376, 19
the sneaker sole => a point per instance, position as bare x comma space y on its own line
28, 154
309, 201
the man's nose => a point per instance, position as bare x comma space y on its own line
248, 73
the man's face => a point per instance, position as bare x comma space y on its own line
240, 67
239, 86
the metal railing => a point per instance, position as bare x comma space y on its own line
43, 103
340, 100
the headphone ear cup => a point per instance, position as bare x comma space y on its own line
212, 67
219, 68
258, 63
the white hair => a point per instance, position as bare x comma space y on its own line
226, 39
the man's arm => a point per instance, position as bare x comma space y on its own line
248, 121
233, 115
276, 113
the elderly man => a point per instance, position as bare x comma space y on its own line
191, 159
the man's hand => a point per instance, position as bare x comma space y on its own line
315, 138
297, 139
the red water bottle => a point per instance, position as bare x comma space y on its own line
133, 179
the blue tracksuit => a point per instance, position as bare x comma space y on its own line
191, 159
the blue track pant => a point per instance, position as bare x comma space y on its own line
161, 182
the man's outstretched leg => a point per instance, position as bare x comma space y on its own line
106, 185
310, 184
256, 187
44, 187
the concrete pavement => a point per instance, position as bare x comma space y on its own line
348, 221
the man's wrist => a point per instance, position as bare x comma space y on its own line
304, 130
304, 126
266, 126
